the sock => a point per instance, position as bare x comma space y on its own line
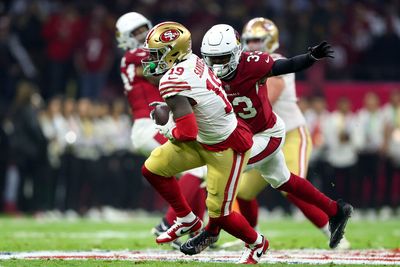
258, 240
305, 191
213, 226
236, 225
188, 218
195, 196
170, 216
249, 210
198, 203
314, 214
325, 230
169, 189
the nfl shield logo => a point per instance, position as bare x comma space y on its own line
227, 87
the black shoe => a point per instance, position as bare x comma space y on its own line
161, 228
197, 244
337, 223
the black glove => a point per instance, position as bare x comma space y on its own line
320, 51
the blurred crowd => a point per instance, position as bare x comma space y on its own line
68, 47
356, 155
75, 155
65, 135
68, 155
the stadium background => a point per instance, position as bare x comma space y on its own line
65, 127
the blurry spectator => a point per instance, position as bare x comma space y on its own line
68, 136
341, 153
52, 125
391, 113
62, 33
4, 157
95, 54
315, 118
369, 140
84, 172
304, 104
29, 147
15, 62
27, 24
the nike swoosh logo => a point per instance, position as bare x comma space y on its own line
259, 254
169, 78
182, 232
267, 59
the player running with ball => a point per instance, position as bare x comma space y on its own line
141, 91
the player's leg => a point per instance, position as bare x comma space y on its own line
297, 150
159, 169
224, 171
190, 183
145, 138
265, 145
278, 175
250, 186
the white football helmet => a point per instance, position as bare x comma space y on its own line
125, 25
221, 49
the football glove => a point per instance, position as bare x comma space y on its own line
166, 129
321, 51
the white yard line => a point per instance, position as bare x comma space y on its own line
84, 235
371, 257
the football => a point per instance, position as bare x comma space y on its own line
161, 114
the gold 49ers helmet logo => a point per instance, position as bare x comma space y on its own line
169, 35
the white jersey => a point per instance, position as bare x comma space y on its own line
286, 105
214, 114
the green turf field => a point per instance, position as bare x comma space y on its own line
27, 234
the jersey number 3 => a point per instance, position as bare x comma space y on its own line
249, 111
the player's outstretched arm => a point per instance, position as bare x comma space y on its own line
302, 62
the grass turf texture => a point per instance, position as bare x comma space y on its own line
27, 234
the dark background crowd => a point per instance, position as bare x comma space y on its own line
65, 129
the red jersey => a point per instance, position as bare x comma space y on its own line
249, 98
138, 90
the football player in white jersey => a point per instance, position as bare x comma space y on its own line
203, 130
261, 34
140, 91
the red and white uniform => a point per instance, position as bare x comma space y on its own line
218, 127
140, 94
248, 95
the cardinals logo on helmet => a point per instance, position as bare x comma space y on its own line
169, 36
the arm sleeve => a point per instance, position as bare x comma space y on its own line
186, 128
294, 64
